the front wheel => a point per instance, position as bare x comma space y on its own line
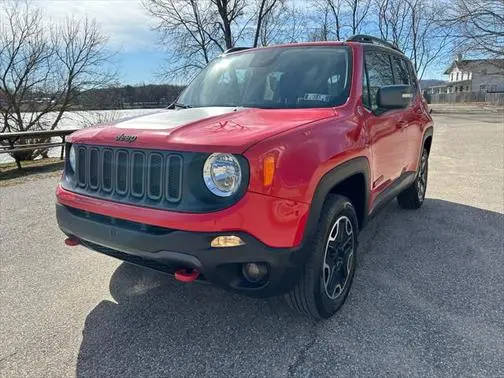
413, 196
328, 273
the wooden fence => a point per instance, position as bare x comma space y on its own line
17, 142
466, 97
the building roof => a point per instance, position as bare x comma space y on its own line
465, 63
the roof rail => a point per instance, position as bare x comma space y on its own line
235, 49
374, 40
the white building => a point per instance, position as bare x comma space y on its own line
476, 75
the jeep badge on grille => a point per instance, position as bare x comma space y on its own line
126, 138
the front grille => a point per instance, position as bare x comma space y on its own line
129, 175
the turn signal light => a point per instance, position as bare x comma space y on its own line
268, 170
226, 241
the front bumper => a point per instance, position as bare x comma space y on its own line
276, 222
168, 250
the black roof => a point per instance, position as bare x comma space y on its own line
363, 38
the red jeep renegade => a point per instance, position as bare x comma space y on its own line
260, 176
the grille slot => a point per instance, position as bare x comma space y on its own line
173, 186
108, 156
121, 172
155, 179
137, 174
94, 158
129, 175
81, 166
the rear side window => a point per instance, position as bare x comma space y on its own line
401, 74
380, 74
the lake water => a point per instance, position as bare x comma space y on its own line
80, 119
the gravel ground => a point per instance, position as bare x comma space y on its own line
427, 300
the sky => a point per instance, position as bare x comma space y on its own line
139, 54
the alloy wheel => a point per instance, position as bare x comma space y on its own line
338, 258
422, 178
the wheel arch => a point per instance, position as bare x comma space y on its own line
426, 143
350, 179
427, 139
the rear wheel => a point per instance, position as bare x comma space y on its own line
413, 196
328, 273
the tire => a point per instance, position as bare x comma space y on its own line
325, 283
413, 196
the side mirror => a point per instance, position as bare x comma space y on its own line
394, 96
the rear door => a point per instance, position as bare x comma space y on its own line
407, 120
386, 137
419, 117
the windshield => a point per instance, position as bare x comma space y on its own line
277, 78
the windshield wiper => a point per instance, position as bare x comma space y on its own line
179, 105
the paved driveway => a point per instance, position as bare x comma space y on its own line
428, 296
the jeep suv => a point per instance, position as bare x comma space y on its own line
260, 176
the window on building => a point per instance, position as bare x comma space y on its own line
457, 76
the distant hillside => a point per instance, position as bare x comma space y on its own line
430, 82
127, 97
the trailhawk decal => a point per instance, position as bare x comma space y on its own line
171, 119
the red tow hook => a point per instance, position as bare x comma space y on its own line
72, 241
185, 275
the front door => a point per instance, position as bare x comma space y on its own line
387, 135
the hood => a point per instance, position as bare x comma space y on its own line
210, 129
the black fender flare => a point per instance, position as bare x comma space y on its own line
429, 132
358, 165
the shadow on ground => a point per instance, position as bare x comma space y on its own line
427, 299
38, 167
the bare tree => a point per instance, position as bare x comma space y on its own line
479, 25
266, 9
335, 8
190, 29
393, 21
197, 31
358, 10
336, 18
230, 12
322, 22
327, 18
285, 23
415, 26
429, 40
43, 68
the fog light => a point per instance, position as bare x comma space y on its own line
226, 241
254, 272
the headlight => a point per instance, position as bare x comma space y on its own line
222, 174
72, 157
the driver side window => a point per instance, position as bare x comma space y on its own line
379, 70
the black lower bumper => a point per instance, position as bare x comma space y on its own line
168, 250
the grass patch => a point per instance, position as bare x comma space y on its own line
11, 175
